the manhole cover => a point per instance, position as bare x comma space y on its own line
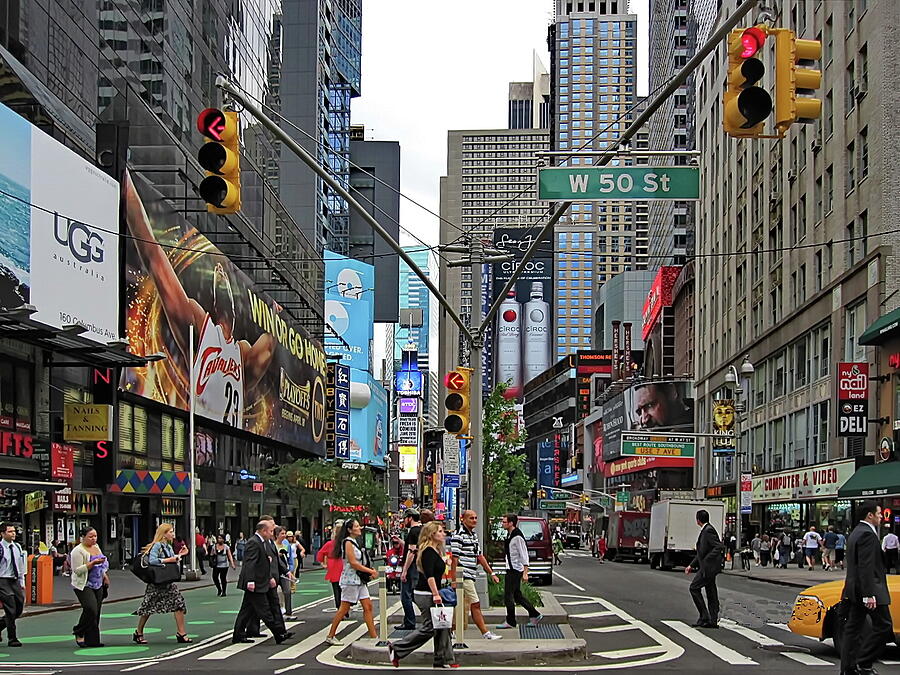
543, 631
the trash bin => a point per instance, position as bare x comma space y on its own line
39, 580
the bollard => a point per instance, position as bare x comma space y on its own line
382, 608
460, 614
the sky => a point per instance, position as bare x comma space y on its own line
429, 67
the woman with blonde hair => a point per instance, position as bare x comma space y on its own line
427, 594
163, 598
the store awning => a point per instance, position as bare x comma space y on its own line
881, 329
875, 480
30, 485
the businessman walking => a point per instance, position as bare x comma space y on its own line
707, 564
258, 580
865, 595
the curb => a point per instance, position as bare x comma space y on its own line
777, 582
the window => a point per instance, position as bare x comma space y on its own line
800, 362
854, 325
850, 96
851, 168
818, 271
829, 189
820, 431
863, 153
132, 436
863, 70
821, 346
173, 443
16, 391
829, 113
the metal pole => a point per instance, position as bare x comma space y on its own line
382, 608
223, 83
192, 502
460, 615
476, 425
626, 136
737, 491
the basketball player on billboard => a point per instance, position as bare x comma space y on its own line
225, 368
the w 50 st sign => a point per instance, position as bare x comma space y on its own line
853, 399
619, 183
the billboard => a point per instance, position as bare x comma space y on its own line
723, 426
523, 344
349, 310
59, 224
368, 427
853, 399
254, 368
660, 296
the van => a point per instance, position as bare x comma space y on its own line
540, 548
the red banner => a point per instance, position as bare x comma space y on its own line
853, 381
632, 464
62, 461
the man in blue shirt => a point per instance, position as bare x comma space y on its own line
12, 582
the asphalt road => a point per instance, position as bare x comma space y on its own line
632, 618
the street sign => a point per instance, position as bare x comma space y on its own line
258, 487
354, 466
657, 445
451, 454
600, 183
451, 480
746, 493
552, 504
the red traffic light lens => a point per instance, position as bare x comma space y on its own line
752, 41
211, 123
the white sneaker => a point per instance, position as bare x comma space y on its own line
492, 636
334, 642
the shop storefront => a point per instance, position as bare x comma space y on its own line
798, 498
724, 493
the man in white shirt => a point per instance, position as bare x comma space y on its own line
12, 582
891, 547
811, 542
516, 573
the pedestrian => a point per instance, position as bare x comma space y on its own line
431, 566
755, 544
707, 564
839, 548
91, 585
784, 549
58, 551
334, 566
602, 548
12, 582
516, 572
200, 543
295, 541
258, 579
220, 561
467, 556
239, 547
181, 550
409, 574
286, 578
829, 540
890, 545
765, 550
357, 572
163, 598
557, 549
811, 542
866, 595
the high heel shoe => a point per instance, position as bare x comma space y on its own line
182, 638
138, 638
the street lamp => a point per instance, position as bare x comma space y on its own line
732, 377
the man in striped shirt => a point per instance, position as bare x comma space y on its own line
467, 555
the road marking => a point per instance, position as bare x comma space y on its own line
784, 627
232, 649
578, 602
635, 651
317, 639
143, 665
718, 650
592, 615
612, 629
766, 641
287, 668
571, 583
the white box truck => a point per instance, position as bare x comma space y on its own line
674, 531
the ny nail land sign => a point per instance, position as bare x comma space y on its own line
580, 184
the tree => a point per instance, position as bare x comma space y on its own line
507, 485
309, 481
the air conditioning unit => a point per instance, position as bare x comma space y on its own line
816, 145
792, 175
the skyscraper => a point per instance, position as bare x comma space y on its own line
593, 47
320, 76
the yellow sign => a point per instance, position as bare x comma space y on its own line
87, 422
35, 501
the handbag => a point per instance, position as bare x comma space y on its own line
165, 574
448, 595
441, 617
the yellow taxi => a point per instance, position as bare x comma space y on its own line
815, 612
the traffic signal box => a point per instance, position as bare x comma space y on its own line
220, 157
747, 104
458, 383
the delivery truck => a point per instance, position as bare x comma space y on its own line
628, 536
674, 530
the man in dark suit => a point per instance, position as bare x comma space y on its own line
258, 580
707, 563
253, 623
865, 594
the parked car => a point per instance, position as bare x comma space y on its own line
540, 548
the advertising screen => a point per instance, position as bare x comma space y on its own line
523, 342
254, 368
656, 405
368, 427
349, 310
59, 243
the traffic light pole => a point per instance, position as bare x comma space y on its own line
476, 455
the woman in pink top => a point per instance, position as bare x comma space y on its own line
334, 565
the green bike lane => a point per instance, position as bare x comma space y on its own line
47, 638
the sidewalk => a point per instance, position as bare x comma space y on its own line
123, 585
792, 576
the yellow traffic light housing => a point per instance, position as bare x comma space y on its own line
795, 79
220, 157
746, 105
458, 384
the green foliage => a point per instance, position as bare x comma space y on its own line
309, 481
507, 484
495, 593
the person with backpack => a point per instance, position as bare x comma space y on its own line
355, 576
784, 549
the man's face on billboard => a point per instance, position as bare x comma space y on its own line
651, 407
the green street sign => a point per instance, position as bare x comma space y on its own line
622, 496
552, 504
598, 183
657, 445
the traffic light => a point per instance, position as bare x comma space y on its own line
795, 80
542, 494
746, 105
458, 384
220, 157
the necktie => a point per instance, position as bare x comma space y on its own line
12, 558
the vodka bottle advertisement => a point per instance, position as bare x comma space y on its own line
536, 340
508, 347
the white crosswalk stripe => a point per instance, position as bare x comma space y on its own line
718, 650
766, 641
315, 640
231, 650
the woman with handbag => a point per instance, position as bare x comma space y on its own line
91, 584
436, 617
162, 595
355, 576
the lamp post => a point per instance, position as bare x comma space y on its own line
732, 377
